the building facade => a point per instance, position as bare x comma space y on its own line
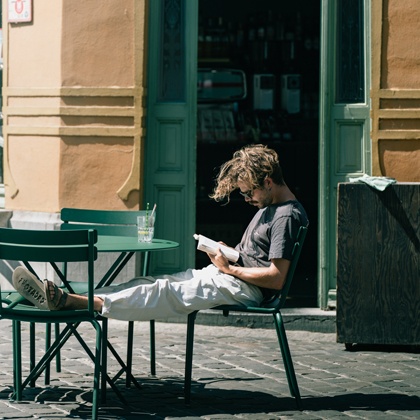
101, 110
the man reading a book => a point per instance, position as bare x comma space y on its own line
264, 255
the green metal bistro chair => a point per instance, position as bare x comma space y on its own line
11, 298
112, 223
272, 307
52, 247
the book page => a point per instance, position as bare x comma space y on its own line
208, 245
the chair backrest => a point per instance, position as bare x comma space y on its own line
279, 299
51, 246
106, 222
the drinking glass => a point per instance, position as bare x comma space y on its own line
145, 227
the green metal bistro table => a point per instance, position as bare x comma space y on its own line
127, 246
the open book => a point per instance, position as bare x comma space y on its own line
208, 245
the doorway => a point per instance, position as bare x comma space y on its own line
275, 45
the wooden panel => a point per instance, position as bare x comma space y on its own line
378, 264
168, 215
349, 145
169, 150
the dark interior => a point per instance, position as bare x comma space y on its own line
276, 44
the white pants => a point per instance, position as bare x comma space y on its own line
147, 298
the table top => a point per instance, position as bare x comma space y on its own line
130, 244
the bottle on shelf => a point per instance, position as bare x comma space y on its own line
208, 39
240, 36
217, 37
201, 39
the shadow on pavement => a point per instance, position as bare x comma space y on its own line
162, 398
387, 348
364, 402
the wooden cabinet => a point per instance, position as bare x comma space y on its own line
378, 264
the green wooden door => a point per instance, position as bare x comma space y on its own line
170, 144
345, 148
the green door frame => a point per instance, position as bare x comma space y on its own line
170, 144
171, 124
344, 148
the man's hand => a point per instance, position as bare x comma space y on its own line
220, 261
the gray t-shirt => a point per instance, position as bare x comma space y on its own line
271, 234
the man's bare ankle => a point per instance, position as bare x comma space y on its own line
98, 303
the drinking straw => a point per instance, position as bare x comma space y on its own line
153, 211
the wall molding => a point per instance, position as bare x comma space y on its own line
394, 112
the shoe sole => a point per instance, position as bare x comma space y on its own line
31, 288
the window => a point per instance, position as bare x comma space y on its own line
350, 86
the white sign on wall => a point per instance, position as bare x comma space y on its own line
19, 11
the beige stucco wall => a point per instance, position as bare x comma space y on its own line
396, 89
97, 46
73, 95
401, 45
32, 50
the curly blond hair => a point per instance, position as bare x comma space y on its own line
250, 165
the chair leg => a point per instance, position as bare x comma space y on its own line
287, 358
17, 361
189, 356
130, 339
47, 346
72, 330
45, 360
58, 356
32, 351
97, 370
152, 348
48, 357
104, 362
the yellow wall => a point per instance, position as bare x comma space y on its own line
73, 105
396, 89
73, 91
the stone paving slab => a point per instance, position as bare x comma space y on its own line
237, 374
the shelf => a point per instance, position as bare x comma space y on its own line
270, 143
214, 60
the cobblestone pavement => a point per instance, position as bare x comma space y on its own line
237, 374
